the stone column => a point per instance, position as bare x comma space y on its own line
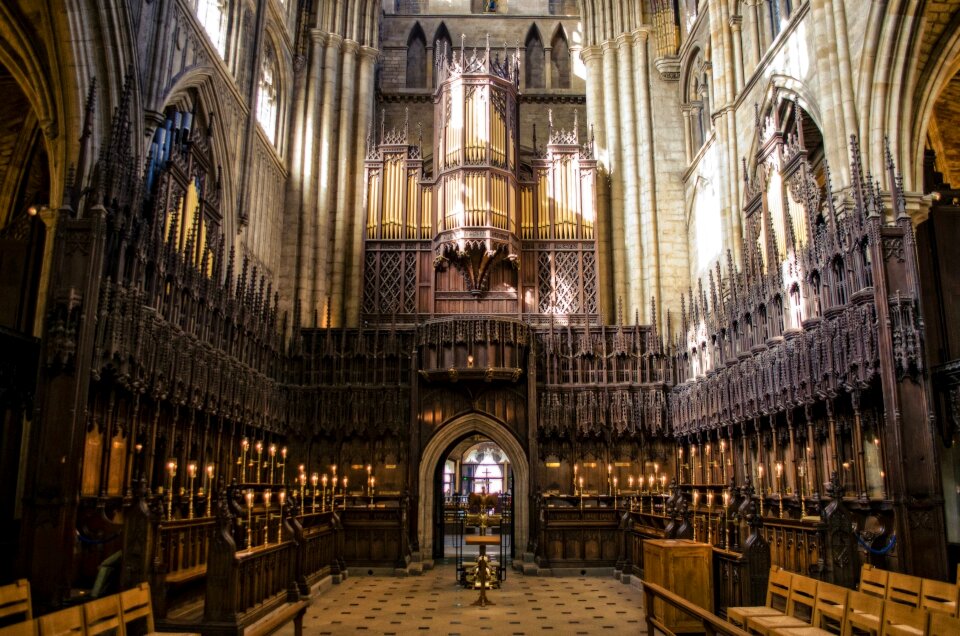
368, 58
345, 175
547, 70
49, 218
631, 206
736, 23
611, 107
648, 193
325, 175
688, 133
592, 60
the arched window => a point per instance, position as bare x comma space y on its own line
417, 58
816, 290
534, 59
797, 306
696, 97
268, 95
213, 16
779, 12
559, 61
867, 263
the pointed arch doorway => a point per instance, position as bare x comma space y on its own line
435, 454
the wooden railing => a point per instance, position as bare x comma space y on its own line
375, 536
711, 623
572, 536
316, 537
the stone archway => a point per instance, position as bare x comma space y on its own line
473, 423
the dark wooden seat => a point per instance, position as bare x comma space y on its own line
23, 628
180, 577
278, 618
15, 599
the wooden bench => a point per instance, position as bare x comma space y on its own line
23, 628
278, 618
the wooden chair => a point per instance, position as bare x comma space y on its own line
22, 628
800, 607
66, 622
103, 616
904, 589
135, 605
873, 581
831, 607
943, 625
778, 596
864, 615
15, 599
903, 620
939, 596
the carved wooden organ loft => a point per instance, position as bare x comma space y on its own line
474, 231
786, 403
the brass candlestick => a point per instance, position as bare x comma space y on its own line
344, 493
266, 509
273, 463
259, 459
373, 481
244, 447
171, 472
313, 479
280, 496
192, 472
249, 519
323, 494
209, 489
581, 494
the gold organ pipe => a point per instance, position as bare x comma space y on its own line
413, 193
526, 212
543, 204
372, 201
426, 212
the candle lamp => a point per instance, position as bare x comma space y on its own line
726, 509
710, 516
249, 519
280, 497
344, 493
576, 468
209, 489
283, 465
373, 481
244, 447
273, 462
192, 472
266, 508
779, 469
581, 494
259, 459
314, 478
650, 482
171, 473
630, 482
696, 501
323, 494
760, 486
802, 473
616, 492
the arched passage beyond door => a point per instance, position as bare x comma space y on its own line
435, 452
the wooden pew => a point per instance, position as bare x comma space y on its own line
15, 599
66, 622
23, 628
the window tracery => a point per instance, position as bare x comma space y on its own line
268, 96
213, 16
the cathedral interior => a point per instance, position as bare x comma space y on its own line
656, 291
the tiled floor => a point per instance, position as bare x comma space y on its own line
434, 604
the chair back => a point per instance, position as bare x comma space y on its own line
135, 605
778, 588
904, 589
943, 625
803, 597
831, 606
903, 620
15, 599
21, 628
873, 581
103, 616
864, 614
66, 622
939, 596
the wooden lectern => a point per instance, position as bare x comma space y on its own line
684, 567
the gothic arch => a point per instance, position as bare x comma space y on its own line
560, 58
779, 89
416, 58
534, 59
433, 453
198, 85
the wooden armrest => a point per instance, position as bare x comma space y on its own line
185, 576
277, 619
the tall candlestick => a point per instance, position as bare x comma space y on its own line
266, 507
323, 494
373, 481
760, 486
273, 463
250, 519
209, 489
171, 472
283, 466
192, 472
314, 478
280, 496
244, 447
259, 459
344, 493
